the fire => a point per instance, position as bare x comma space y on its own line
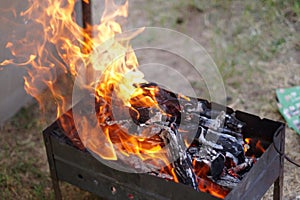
259, 146
255, 145
246, 145
205, 184
56, 48
147, 148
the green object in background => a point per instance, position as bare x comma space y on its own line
289, 106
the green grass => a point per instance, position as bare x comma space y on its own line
24, 172
257, 34
245, 33
22, 159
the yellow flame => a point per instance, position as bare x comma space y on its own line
54, 43
56, 48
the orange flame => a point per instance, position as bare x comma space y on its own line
56, 48
55, 44
254, 143
205, 184
259, 146
246, 145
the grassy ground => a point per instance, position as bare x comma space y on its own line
255, 44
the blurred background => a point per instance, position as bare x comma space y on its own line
255, 45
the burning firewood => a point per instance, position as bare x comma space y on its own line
182, 161
217, 139
158, 122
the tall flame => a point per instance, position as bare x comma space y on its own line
57, 47
55, 43
54, 50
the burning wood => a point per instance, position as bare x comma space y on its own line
153, 139
216, 156
182, 161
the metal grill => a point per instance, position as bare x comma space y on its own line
78, 167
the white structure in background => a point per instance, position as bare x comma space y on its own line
12, 93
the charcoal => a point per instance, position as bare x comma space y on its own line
226, 131
217, 166
139, 115
228, 181
213, 124
182, 162
243, 166
200, 137
233, 124
218, 141
231, 159
230, 144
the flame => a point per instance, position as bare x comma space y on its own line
246, 145
125, 143
202, 170
259, 146
255, 145
55, 48
55, 44
212, 188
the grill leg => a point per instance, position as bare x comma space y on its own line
51, 161
278, 185
56, 188
278, 188
55, 185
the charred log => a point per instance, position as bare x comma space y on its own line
182, 161
218, 137
216, 154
